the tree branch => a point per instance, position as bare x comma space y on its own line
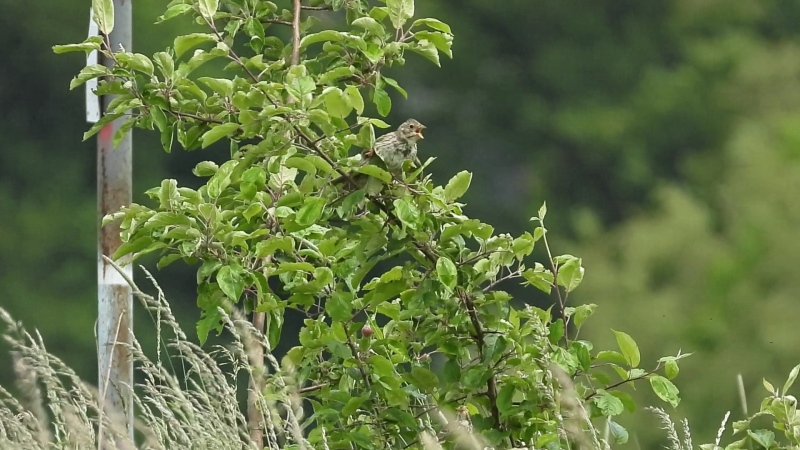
296, 33
253, 414
491, 384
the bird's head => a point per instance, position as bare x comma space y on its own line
411, 131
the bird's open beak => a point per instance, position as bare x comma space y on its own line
419, 132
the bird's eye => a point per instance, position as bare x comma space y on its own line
412, 126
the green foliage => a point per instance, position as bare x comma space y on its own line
406, 330
779, 410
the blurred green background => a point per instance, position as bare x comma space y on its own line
664, 136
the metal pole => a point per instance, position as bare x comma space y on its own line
114, 301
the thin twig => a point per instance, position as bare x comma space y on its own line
277, 21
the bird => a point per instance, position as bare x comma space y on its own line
393, 149
396, 147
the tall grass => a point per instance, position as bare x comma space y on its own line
187, 399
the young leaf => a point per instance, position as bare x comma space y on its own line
311, 211
92, 43
371, 25
382, 101
230, 282
407, 212
217, 133
354, 95
400, 11
186, 42
457, 186
208, 8
618, 432
433, 24
608, 404
337, 104
790, 381
665, 390
446, 271
103, 14
570, 273
628, 347
88, 73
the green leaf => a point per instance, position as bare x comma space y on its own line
230, 282
354, 96
407, 212
103, 14
505, 398
371, 25
582, 313
294, 267
88, 73
628, 347
400, 11
556, 331
764, 438
433, 24
391, 82
122, 131
375, 171
222, 86
608, 404
570, 272
442, 42
352, 405
671, 369
424, 379
322, 36
273, 244
543, 211
446, 272
210, 320
105, 120
618, 432
540, 278
217, 133
334, 74
457, 186
185, 42
311, 211
382, 101
301, 87
136, 61
174, 11
451, 372
134, 246
205, 168
790, 380
381, 366
340, 306
221, 179
93, 43
665, 390
427, 49
253, 210
337, 104
208, 8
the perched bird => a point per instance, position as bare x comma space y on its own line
396, 147
393, 149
